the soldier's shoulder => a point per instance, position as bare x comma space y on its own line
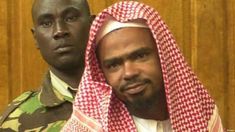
16, 103
23, 97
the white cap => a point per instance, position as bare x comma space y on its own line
111, 24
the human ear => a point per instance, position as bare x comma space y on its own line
92, 17
34, 36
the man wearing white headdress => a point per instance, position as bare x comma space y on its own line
136, 79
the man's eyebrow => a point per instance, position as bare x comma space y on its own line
71, 8
111, 60
42, 16
132, 54
49, 15
140, 51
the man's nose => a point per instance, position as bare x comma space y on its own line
131, 70
60, 30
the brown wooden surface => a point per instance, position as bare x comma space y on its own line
21, 65
204, 30
4, 56
230, 57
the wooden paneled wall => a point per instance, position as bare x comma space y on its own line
204, 30
4, 56
21, 65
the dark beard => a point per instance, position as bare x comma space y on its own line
140, 103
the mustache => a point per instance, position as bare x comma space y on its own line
127, 84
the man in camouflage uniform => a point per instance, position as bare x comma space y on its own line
61, 30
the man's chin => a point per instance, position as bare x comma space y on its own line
141, 103
68, 65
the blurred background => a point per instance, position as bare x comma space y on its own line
203, 29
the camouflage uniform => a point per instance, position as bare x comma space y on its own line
45, 110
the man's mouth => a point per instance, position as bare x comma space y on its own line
63, 48
135, 88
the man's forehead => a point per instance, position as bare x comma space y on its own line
122, 45
47, 5
41, 7
42, 2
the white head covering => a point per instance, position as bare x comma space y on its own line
111, 24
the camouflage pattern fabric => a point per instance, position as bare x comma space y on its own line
46, 110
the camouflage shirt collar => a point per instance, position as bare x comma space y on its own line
47, 95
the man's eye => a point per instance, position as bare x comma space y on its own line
112, 66
46, 24
141, 56
71, 19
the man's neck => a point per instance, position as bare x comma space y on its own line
71, 77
